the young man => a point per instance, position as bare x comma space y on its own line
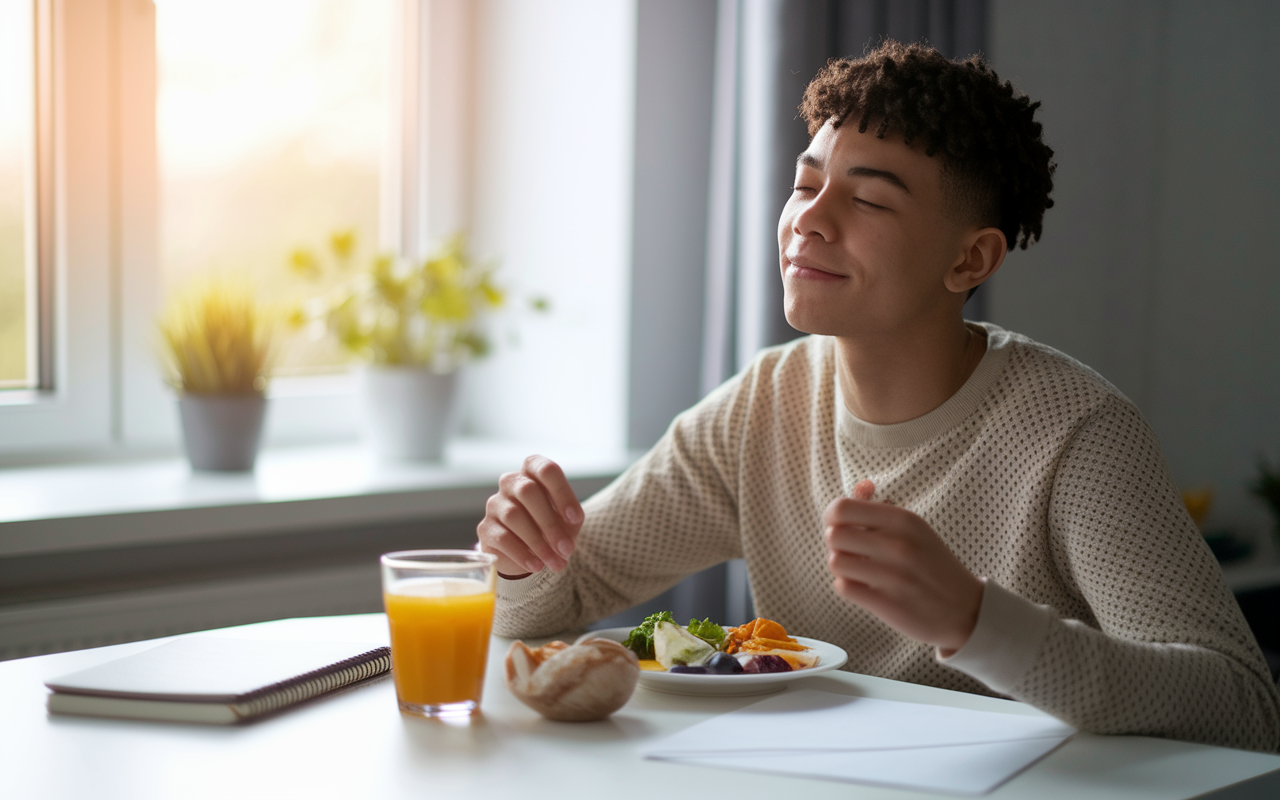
952, 503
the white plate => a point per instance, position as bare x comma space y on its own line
829, 657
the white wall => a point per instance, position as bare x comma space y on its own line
553, 177
1160, 264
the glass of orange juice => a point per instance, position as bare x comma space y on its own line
440, 609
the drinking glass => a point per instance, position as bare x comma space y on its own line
440, 609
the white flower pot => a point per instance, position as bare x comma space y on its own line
222, 431
409, 412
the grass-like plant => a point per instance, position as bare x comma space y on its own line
217, 338
394, 311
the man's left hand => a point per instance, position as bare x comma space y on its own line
889, 561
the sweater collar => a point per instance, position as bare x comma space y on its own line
943, 418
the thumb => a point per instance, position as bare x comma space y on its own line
863, 490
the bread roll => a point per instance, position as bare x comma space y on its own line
577, 683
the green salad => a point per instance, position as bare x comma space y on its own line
640, 640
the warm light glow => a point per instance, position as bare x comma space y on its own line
272, 117
16, 92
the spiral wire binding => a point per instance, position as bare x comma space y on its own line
304, 687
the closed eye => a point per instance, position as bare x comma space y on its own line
869, 204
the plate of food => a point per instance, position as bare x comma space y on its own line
705, 659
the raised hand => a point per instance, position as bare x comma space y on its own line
533, 520
889, 561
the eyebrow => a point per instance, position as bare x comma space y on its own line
809, 160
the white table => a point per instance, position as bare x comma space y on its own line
358, 745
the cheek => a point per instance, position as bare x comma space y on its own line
784, 226
900, 255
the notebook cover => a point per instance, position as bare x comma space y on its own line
83, 705
211, 670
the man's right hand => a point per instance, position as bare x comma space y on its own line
533, 520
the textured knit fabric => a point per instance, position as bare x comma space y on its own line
1102, 606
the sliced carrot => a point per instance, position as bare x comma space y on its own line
768, 629
734, 638
759, 634
772, 644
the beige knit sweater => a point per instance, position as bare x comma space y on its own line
1102, 606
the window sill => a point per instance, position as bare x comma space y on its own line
48, 509
114, 551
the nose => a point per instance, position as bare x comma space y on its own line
812, 216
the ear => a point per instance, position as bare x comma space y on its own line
983, 253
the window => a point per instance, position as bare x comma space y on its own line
72, 248
485, 105
271, 135
18, 339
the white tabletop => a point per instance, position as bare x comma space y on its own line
357, 745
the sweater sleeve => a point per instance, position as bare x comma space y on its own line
1168, 653
671, 514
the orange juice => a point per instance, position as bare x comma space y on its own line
439, 639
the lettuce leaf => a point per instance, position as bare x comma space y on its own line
707, 631
640, 640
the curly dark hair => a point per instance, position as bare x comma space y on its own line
996, 168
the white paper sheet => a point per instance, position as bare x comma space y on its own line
824, 735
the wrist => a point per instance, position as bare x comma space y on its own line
968, 623
1008, 640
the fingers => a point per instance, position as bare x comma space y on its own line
877, 574
548, 496
533, 520
898, 545
868, 529
515, 559
864, 490
509, 508
863, 513
860, 593
548, 473
889, 561
876, 601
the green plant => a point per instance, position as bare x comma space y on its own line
396, 311
1266, 487
217, 338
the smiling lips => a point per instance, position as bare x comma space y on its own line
799, 267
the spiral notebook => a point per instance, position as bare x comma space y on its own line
217, 681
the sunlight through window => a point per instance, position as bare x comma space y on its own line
16, 135
272, 118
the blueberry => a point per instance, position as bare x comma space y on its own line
683, 670
724, 664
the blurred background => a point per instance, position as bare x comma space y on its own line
627, 159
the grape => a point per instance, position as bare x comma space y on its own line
683, 670
724, 664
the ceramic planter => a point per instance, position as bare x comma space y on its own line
222, 431
409, 412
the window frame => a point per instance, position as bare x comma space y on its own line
97, 220
74, 245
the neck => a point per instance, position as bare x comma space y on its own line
890, 378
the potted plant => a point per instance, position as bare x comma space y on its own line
412, 325
217, 340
